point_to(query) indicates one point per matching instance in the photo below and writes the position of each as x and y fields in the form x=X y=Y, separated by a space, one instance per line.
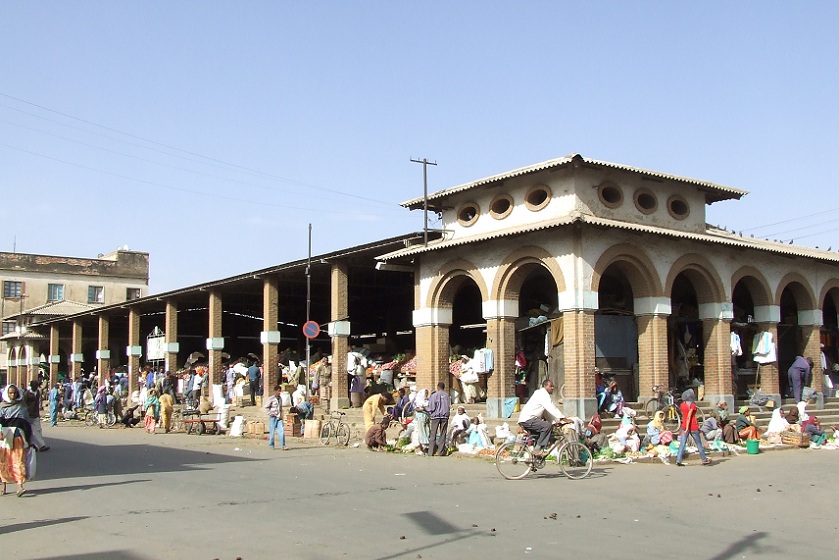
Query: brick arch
x=702 y=274
x=449 y=278
x=803 y=293
x=756 y=283
x=829 y=286
x=634 y=264
x=509 y=278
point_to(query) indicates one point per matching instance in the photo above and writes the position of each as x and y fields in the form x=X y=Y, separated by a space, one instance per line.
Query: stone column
x=769 y=380
x=133 y=361
x=653 y=365
x=215 y=342
x=77 y=349
x=432 y=356
x=171 y=328
x=103 y=364
x=55 y=353
x=580 y=399
x=270 y=336
x=812 y=349
x=339 y=309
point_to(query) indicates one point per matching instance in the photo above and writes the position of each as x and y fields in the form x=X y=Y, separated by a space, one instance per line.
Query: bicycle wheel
x=651 y=407
x=90 y=419
x=700 y=416
x=672 y=418
x=407 y=412
x=342 y=434
x=112 y=419
x=575 y=460
x=326 y=433
x=513 y=460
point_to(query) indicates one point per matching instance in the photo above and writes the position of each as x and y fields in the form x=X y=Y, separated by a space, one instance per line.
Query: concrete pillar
x=653 y=365
x=103 y=363
x=270 y=335
x=769 y=380
x=171 y=331
x=812 y=349
x=215 y=342
x=580 y=399
x=55 y=339
x=133 y=340
x=719 y=384
x=501 y=339
x=339 y=309
x=77 y=348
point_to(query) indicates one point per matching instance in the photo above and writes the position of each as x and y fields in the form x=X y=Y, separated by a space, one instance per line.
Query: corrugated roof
x=55 y=309
x=712 y=235
x=723 y=192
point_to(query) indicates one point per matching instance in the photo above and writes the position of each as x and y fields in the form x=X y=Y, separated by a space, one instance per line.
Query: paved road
x=122 y=494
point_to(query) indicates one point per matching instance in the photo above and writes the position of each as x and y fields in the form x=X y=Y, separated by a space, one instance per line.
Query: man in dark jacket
x=439 y=408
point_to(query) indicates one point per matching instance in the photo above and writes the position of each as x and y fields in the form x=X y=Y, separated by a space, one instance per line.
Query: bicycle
x=668 y=403
x=335 y=428
x=516 y=459
x=92 y=418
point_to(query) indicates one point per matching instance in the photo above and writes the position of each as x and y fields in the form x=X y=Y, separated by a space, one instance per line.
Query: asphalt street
x=126 y=495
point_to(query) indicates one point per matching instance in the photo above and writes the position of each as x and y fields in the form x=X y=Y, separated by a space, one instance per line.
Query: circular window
x=645 y=201
x=537 y=197
x=610 y=194
x=501 y=206
x=678 y=207
x=468 y=214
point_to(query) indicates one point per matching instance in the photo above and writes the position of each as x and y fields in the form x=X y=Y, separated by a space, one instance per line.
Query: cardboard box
x=256 y=428
x=311 y=429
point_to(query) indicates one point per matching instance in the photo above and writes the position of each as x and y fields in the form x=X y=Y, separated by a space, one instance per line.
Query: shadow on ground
x=107 y=555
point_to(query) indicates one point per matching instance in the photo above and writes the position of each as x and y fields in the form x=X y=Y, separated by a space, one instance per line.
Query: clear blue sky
x=210 y=134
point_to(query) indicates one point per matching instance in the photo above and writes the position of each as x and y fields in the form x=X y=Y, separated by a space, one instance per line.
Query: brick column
x=432 y=356
x=55 y=339
x=501 y=339
x=77 y=348
x=133 y=340
x=653 y=365
x=580 y=400
x=716 y=336
x=216 y=369
x=769 y=375
x=103 y=364
x=339 y=309
x=270 y=334
x=171 y=329
x=812 y=349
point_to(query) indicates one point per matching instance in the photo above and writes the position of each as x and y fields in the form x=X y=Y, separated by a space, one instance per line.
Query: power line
x=810 y=215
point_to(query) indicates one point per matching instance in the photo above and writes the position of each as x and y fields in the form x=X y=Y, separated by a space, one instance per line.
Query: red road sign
x=311 y=329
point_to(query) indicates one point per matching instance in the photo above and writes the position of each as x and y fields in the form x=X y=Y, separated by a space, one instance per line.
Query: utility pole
x=308 y=310
x=425 y=163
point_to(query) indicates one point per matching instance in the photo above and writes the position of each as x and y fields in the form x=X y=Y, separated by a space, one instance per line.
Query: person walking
x=274 y=408
x=32 y=398
x=689 y=426
x=54 y=398
x=152 y=411
x=167 y=407
x=439 y=408
x=253 y=381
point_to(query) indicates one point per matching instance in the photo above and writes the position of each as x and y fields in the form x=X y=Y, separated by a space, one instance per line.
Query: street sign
x=311 y=329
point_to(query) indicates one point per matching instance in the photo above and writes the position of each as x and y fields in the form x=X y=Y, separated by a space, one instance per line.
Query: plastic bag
x=31 y=463
x=502 y=432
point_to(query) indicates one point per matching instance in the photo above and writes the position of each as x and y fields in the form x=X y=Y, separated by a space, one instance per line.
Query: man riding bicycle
x=532 y=416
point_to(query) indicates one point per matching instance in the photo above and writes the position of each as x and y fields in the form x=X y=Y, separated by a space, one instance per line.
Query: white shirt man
x=532 y=416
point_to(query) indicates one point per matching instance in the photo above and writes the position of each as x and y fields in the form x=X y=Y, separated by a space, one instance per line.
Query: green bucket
x=753 y=446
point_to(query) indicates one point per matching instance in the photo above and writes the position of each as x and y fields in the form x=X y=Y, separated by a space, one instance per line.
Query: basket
x=796 y=439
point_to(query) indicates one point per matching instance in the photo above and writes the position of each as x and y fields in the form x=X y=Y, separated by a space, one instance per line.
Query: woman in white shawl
x=777 y=423
x=422 y=419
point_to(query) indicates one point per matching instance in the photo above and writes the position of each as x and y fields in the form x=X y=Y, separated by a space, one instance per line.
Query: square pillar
x=501 y=339
x=270 y=342
x=133 y=340
x=103 y=364
x=580 y=399
x=432 y=356
x=812 y=349
x=171 y=330
x=76 y=345
x=216 y=368
x=719 y=383
x=339 y=309
x=770 y=381
x=55 y=339
x=653 y=365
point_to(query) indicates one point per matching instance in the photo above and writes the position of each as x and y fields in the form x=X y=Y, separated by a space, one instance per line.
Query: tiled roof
x=54 y=309
x=716 y=192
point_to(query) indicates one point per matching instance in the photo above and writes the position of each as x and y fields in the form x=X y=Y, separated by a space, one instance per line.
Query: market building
x=549 y=270
x=41 y=287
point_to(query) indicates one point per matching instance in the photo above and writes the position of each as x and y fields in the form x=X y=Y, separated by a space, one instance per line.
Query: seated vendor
x=746 y=428
x=376 y=436
x=459 y=425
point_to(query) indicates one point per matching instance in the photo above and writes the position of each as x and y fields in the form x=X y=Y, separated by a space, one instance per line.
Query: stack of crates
x=291 y=425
